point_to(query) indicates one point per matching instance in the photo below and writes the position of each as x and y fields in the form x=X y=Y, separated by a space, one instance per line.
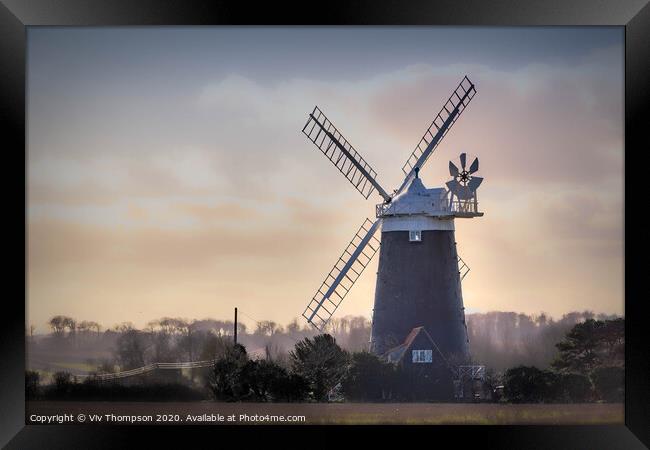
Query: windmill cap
x=417 y=199
x=416 y=187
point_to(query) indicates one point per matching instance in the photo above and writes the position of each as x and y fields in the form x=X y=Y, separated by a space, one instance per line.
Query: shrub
x=574 y=388
x=62 y=384
x=32 y=384
x=94 y=390
x=261 y=377
x=292 y=388
x=321 y=362
x=525 y=384
x=227 y=381
x=368 y=378
x=609 y=383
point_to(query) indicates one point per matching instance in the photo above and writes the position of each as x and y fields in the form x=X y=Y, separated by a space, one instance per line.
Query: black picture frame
x=16 y=15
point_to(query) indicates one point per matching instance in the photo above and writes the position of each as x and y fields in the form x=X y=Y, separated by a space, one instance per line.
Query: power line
x=258 y=322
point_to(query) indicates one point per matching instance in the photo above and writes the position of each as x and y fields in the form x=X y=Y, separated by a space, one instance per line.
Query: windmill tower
x=420 y=273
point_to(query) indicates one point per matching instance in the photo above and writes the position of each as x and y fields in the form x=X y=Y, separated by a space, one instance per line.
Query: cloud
x=539 y=124
x=224 y=212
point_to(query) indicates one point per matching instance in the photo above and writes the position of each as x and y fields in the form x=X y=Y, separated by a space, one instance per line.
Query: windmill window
x=415 y=236
x=422 y=356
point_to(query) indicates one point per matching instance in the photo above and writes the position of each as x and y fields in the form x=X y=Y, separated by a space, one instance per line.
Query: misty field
x=347 y=413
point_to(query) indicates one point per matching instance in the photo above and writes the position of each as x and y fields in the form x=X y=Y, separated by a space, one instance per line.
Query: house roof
x=396 y=354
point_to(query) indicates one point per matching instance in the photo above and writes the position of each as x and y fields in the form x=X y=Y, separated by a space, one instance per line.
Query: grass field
x=349 y=413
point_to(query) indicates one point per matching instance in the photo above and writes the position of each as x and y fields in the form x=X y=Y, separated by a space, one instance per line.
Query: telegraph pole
x=235 y=330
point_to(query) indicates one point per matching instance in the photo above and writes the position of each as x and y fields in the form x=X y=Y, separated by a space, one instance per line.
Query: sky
x=167 y=174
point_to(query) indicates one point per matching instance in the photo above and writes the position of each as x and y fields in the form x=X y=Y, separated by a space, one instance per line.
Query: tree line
x=499 y=340
x=588 y=366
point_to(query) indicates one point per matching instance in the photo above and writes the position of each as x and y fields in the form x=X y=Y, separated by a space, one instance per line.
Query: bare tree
x=267 y=328
x=123 y=327
x=131 y=349
x=60 y=323
x=293 y=327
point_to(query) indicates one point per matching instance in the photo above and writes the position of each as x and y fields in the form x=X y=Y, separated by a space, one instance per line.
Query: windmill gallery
x=418 y=318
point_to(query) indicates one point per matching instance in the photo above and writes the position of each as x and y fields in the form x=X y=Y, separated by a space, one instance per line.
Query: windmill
x=418 y=280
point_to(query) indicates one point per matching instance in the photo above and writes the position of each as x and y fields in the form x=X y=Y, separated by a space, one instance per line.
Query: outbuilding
x=424 y=372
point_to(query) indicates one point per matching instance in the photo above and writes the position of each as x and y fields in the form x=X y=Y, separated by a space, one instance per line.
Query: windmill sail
x=344 y=274
x=329 y=140
x=451 y=110
x=474 y=167
x=463 y=268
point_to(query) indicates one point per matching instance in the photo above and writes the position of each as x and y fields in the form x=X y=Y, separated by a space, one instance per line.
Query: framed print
x=371 y=217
